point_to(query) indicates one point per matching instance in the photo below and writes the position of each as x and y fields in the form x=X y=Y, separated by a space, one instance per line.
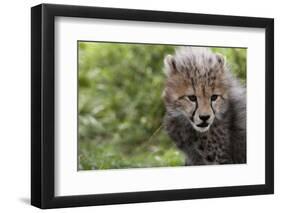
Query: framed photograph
x=140 y=106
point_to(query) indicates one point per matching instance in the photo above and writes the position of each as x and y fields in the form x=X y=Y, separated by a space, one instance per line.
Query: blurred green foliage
x=120 y=105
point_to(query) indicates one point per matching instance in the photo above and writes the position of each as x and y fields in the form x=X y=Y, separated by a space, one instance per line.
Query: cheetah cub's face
x=196 y=86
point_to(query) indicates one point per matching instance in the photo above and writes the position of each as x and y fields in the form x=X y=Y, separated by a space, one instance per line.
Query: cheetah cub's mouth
x=204 y=124
x=202 y=127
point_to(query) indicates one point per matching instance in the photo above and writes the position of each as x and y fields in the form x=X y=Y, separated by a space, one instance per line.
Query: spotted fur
x=205 y=107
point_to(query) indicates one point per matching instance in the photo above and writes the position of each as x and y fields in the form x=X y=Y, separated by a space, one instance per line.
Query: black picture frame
x=43 y=102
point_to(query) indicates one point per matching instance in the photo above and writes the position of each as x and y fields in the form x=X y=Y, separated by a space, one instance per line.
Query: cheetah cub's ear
x=169 y=65
x=221 y=60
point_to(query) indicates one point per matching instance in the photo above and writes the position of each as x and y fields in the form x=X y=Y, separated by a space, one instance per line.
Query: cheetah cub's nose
x=204 y=117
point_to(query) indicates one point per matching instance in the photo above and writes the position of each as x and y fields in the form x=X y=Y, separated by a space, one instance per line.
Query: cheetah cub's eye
x=192 y=98
x=214 y=97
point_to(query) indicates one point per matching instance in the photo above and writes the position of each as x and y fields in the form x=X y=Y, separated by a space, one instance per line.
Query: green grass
x=115 y=154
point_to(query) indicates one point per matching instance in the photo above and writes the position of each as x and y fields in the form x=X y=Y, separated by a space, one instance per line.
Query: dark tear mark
x=212 y=108
x=196 y=106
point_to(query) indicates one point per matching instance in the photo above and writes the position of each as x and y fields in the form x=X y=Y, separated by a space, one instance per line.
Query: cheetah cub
x=205 y=107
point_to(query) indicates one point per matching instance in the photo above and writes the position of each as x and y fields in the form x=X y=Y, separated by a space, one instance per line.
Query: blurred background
x=120 y=105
